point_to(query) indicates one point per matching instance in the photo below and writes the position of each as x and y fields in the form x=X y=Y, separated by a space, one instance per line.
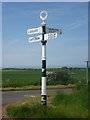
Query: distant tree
x=70 y=68
x=64 y=68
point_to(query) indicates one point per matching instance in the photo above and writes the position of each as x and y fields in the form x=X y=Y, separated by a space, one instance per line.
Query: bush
x=63 y=76
x=60 y=77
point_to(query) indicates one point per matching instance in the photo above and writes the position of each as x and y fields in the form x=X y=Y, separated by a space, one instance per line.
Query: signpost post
x=52 y=34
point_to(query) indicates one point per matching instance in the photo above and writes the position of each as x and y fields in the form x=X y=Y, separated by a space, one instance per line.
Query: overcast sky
x=70 y=49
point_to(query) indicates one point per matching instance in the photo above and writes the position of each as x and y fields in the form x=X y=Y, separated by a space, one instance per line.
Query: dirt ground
x=4 y=115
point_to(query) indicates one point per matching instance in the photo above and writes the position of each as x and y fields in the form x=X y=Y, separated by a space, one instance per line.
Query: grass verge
x=74 y=105
x=37 y=87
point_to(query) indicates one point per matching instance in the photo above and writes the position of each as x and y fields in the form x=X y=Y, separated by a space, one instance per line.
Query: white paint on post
x=43 y=78
x=43 y=52
x=43 y=85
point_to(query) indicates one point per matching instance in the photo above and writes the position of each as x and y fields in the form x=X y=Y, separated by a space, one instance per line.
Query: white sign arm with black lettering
x=35 y=39
x=50 y=36
x=34 y=30
x=52 y=30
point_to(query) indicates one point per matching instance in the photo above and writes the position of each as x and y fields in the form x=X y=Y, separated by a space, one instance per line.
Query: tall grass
x=34 y=111
x=73 y=105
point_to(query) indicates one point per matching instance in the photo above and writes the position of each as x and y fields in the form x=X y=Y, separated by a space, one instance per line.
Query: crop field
x=19 y=78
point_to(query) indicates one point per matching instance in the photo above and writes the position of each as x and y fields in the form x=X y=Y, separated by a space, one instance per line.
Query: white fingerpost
x=43 y=92
x=43 y=38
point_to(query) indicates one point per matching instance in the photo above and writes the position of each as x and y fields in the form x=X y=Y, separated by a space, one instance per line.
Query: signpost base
x=43 y=100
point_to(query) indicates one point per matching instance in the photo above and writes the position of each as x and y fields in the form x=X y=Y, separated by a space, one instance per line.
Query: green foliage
x=22 y=111
x=34 y=111
x=63 y=76
x=64 y=68
x=73 y=105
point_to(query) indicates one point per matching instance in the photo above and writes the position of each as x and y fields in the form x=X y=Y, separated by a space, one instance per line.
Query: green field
x=19 y=78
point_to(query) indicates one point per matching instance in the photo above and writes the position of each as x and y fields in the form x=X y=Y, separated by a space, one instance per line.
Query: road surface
x=16 y=96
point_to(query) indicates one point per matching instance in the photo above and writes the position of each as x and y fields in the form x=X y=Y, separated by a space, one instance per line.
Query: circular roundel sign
x=43 y=13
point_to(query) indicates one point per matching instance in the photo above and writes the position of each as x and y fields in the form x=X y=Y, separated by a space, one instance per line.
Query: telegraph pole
x=87 y=72
x=52 y=34
x=87 y=67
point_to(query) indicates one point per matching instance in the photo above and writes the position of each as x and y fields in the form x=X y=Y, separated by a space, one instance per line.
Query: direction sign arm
x=60 y=31
x=35 y=39
x=53 y=30
x=34 y=30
